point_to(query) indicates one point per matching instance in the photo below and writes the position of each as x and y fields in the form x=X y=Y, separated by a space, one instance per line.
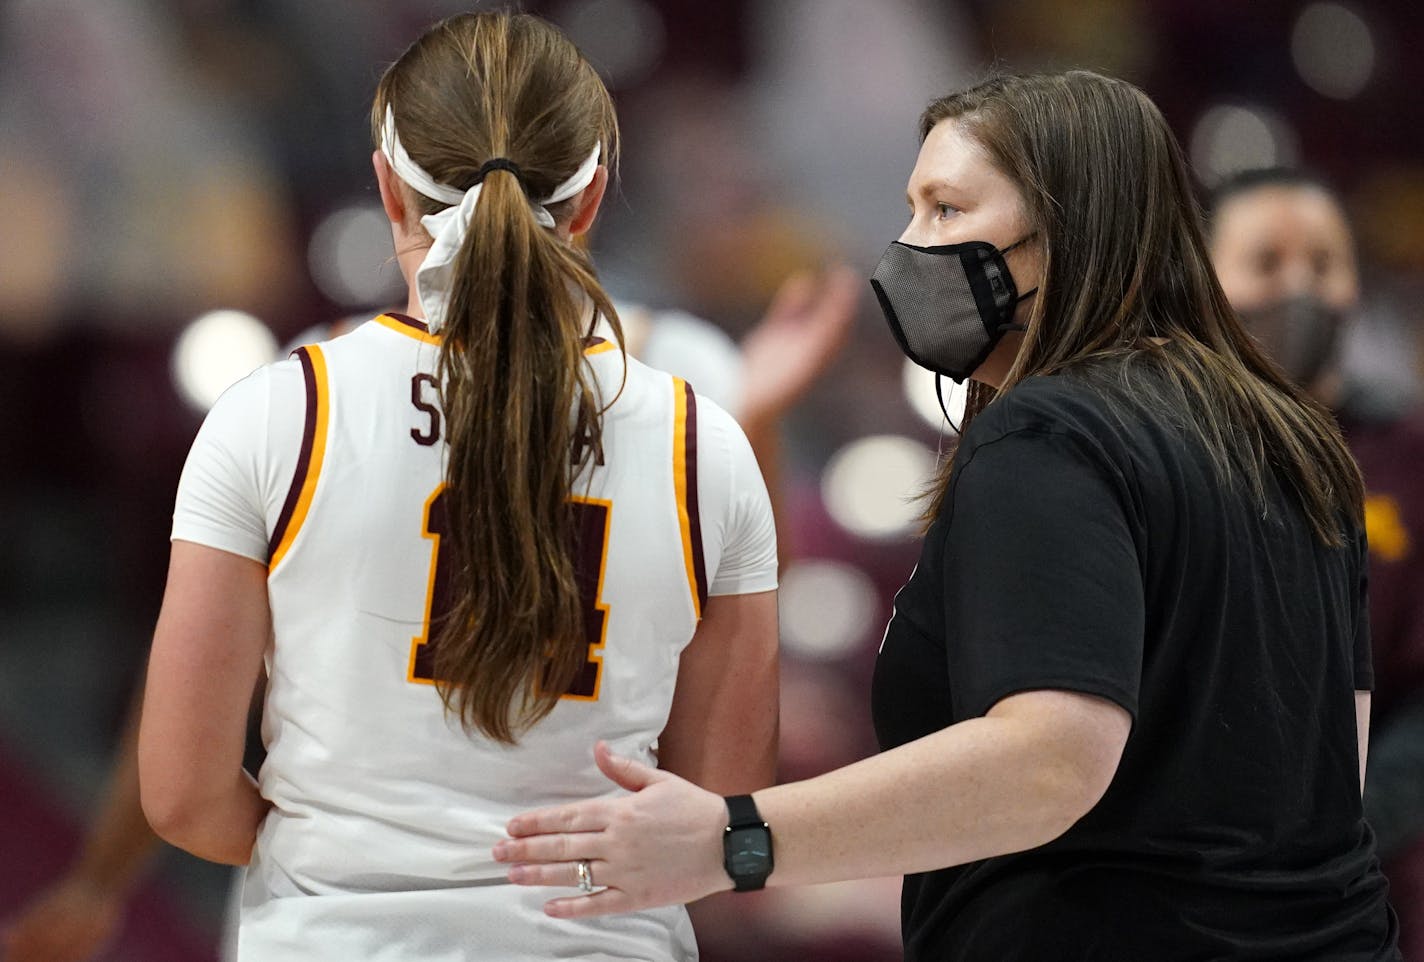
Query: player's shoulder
x=251 y=393
x=641 y=382
x=247 y=408
x=628 y=384
x=715 y=421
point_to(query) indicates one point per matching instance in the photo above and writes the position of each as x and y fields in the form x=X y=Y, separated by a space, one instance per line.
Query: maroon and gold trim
x=408 y=326
x=309 y=460
x=684 y=473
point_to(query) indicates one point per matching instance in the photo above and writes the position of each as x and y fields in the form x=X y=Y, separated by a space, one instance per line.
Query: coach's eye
x=946 y=211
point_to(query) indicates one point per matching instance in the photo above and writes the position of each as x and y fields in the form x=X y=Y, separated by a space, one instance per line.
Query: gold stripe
x=599 y=348
x=318 y=452
x=385 y=320
x=679 y=478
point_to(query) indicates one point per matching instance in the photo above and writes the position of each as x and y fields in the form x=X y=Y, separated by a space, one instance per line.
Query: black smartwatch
x=746 y=845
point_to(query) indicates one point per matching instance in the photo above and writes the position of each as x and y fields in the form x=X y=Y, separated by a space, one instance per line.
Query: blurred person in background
x=1285 y=255
x=391 y=758
x=1096 y=739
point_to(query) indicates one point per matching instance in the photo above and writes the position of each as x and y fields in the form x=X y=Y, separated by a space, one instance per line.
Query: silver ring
x=585 y=876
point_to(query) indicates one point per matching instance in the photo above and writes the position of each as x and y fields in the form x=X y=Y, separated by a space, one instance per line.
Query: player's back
x=385 y=808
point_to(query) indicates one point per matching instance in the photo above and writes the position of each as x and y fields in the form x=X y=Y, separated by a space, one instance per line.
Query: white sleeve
x=733 y=499
x=241 y=463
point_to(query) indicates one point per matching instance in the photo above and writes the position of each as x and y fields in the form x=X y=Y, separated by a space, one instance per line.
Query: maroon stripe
x=408 y=321
x=299 y=477
x=593 y=340
x=694 y=516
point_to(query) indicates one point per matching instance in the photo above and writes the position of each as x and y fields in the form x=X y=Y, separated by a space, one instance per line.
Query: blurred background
x=185 y=185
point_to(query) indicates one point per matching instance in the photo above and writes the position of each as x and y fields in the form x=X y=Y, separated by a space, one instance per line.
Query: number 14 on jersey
x=592 y=521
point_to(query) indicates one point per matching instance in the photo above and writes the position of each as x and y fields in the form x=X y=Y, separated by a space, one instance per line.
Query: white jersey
x=328 y=468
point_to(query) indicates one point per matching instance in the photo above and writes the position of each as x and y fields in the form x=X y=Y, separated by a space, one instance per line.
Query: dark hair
x=473 y=88
x=1127 y=279
x=1244 y=182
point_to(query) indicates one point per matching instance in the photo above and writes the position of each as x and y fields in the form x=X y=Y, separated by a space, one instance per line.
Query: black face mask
x=947 y=306
x=1301 y=334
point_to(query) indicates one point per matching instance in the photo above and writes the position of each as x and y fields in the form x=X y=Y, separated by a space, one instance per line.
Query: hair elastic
x=435 y=277
x=500 y=163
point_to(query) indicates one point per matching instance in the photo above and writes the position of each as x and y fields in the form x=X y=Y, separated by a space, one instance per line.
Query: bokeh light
x=215 y=351
x=623 y=39
x=1333 y=50
x=1234 y=137
x=826 y=608
x=870 y=485
x=351 y=257
x=919 y=385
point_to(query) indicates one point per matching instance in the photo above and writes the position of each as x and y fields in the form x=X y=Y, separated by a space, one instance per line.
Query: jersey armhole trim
x=309 y=460
x=684 y=473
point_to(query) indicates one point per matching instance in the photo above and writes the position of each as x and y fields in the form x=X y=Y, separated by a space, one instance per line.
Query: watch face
x=748 y=851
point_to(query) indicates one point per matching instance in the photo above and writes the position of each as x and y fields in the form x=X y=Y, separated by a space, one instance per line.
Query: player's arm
x=721 y=732
x=207 y=655
x=722 y=728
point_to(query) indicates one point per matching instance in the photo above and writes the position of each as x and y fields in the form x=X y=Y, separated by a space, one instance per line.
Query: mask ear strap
x=1017 y=327
x=1020 y=242
x=944 y=410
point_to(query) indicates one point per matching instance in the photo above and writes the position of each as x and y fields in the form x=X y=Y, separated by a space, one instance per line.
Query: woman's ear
x=391 y=198
x=587 y=203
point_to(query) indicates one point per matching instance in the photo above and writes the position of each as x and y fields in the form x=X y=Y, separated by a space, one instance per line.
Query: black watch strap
x=746 y=845
x=742 y=812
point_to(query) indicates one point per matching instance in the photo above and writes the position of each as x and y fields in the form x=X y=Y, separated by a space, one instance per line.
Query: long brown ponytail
x=515 y=391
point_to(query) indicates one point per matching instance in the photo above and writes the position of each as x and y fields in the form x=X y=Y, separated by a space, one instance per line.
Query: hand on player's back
x=661 y=845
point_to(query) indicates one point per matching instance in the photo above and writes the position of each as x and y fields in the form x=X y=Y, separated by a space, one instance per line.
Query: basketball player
x=802 y=331
x=474 y=538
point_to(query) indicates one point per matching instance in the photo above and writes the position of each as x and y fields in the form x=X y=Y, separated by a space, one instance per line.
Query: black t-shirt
x=1089 y=546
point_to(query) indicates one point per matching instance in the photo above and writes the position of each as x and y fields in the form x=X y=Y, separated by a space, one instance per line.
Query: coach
x=1123 y=698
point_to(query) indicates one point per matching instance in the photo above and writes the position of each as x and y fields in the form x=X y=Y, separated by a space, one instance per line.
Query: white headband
x=435 y=276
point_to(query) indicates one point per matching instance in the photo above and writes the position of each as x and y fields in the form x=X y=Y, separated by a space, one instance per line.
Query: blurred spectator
x=1286 y=258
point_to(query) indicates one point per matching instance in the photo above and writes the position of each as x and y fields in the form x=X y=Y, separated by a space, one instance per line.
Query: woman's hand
x=662 y=845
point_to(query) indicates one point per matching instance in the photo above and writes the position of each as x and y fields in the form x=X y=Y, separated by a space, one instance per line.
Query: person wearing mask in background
x=489 y=536
x=1285 y=256
x=1098 y=740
